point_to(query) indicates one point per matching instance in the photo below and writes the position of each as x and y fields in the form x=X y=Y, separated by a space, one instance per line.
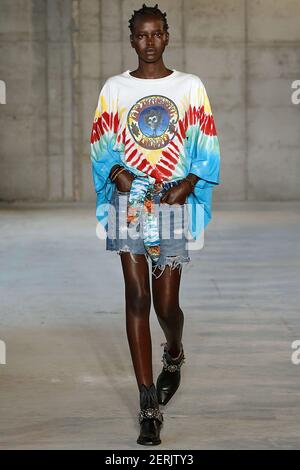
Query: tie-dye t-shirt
x=160 y=128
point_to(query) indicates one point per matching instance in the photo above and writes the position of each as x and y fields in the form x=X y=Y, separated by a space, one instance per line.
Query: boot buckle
x=150 y=413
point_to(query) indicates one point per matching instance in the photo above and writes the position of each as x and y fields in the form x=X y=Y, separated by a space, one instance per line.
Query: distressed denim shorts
x=171 y=217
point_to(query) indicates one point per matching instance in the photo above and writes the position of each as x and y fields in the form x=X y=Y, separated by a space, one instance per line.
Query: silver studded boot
x=169 y=379
x=150 y=416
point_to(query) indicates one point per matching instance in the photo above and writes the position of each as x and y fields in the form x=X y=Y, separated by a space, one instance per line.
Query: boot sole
x=148 y=443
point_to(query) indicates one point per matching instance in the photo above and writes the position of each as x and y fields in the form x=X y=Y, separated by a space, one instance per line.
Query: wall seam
x=76 y=92
x=47 y=102
x=246 y=71
x=183 y=37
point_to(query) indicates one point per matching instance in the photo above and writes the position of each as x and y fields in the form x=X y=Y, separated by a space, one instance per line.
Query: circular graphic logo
x=152 y=121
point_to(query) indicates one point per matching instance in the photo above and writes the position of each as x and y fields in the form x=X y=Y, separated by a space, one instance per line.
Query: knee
x=138 y=303
x=167 y=312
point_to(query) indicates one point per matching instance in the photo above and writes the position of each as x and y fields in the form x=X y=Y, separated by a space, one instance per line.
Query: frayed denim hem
x=173 y=261
x=126 y=249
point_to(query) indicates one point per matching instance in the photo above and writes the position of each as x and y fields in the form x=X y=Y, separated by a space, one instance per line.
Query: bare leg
x=165 y=290
x=138 y=305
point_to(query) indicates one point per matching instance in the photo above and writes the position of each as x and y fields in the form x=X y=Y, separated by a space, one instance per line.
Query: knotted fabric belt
x=141 y=206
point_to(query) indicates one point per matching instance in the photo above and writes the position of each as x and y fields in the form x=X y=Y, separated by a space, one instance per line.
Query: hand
x=177 y=194
x=124 y=180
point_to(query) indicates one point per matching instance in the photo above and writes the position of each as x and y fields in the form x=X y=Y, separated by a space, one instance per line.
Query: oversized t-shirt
x=160 y=128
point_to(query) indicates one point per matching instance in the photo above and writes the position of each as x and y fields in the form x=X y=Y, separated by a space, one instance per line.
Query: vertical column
x=76 y=95
x=23 y=118
x=88 y=24
x=67 y=89
x=59 y=67
x=273 y=124
x=215 y=51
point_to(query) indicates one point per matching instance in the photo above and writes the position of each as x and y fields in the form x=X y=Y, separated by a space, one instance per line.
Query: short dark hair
x=155 y=11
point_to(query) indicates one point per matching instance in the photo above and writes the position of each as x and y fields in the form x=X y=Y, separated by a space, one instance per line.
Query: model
x=155 y=159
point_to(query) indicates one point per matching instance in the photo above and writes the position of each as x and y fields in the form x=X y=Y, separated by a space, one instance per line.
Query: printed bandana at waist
x=141 y=203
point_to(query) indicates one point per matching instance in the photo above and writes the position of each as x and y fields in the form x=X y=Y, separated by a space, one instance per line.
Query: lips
x=150 y=51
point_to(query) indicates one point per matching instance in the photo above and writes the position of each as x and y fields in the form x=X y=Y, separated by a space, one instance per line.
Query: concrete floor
x=69 y=382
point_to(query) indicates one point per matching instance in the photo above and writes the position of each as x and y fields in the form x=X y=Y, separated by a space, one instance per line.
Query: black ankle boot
x=169 y=379
x=150 y=417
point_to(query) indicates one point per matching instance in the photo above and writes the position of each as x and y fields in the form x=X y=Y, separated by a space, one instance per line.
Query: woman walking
x=155 y=159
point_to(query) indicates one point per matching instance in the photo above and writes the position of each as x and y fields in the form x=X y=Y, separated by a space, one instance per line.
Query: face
x=149 y=38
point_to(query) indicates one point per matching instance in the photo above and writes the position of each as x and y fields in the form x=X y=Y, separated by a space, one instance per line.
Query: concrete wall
x=55 y=55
